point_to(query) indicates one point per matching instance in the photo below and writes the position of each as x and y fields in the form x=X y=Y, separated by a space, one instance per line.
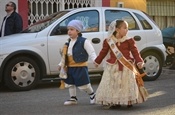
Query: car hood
x=16 y=38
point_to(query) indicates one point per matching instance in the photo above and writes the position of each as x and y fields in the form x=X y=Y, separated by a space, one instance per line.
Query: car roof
x=115 y=8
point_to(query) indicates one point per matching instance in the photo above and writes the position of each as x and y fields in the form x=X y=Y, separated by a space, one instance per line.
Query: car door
x=92 y=29
x=135 y=29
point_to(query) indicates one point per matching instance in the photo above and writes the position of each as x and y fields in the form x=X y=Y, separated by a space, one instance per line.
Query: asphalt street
x=48 y=99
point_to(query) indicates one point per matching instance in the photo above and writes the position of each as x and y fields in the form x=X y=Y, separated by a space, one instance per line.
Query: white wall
x=2 y=8
x=98 y=3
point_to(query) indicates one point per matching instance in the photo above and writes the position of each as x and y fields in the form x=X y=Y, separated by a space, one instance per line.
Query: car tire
x=21 y=74
x=153 y=66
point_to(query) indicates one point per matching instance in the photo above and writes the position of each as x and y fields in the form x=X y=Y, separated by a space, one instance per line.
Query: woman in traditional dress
x=118 y=85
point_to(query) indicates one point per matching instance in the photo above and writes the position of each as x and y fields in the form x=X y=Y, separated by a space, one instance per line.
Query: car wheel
x=153 y=66
x=21 y=74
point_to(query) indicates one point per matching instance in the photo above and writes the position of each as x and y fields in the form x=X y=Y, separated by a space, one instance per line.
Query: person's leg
x=73 y=98
x=89 y=90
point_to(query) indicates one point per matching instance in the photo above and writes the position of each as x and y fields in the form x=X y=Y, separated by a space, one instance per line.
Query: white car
x=32 y=55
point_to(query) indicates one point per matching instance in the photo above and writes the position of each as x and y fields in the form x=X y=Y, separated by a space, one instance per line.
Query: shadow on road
x=47 y=85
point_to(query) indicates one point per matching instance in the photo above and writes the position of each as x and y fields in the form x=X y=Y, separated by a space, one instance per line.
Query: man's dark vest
x=79 y=53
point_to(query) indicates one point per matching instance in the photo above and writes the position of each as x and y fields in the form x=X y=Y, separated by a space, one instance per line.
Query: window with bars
x=39 y=9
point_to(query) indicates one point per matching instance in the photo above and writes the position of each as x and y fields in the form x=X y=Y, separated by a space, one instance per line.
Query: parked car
x=33 y=55
x=169 y=42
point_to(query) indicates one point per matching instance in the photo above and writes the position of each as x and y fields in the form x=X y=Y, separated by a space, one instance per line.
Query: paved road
x=48 y=99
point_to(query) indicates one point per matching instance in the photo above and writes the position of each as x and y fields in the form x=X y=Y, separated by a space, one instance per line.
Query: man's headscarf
x=77 y=24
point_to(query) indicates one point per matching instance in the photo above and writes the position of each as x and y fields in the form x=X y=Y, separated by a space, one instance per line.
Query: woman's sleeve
x=135 y=51
x=104 y=51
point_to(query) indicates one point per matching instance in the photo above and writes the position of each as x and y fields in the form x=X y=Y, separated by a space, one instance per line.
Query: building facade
x=162 y=11
x=34 y=10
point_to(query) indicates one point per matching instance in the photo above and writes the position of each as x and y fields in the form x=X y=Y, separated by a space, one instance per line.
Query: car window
x=111 y=15
x=44 y=23
x=90 y=21
x=144 y=22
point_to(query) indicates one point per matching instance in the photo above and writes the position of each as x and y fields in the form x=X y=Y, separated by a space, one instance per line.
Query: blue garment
x=79 y=53
x=77 y=76
x=14 y=24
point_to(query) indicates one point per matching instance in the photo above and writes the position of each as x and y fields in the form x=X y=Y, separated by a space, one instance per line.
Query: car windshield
x=42 y=24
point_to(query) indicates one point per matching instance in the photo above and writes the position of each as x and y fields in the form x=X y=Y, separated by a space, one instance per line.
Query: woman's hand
x=95 y=64
x=140 y=65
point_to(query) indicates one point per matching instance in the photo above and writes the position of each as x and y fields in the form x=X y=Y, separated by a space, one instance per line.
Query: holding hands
x=95 y=64
x=140 y=65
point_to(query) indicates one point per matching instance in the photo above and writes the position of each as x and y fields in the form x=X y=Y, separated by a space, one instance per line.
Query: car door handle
x=96 y=40
x=137 y=38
